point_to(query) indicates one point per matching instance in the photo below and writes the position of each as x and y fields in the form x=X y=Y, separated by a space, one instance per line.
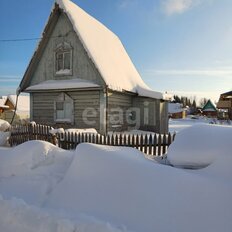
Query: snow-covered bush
x=4 y=136
x=4 y=125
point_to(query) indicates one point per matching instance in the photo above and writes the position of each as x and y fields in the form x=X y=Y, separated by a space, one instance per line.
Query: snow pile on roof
x=23 y=104
x=110 y=189
x=175 y=108
x=63 y=84
x=3 y=101
x=200 y=145
x=107 y=52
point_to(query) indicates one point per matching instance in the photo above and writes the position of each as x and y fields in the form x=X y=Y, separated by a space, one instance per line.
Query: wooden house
x=209 y=109
x=3 y=106
x=81 y=76
x=23 y=108
x=176 y=110
x=225 y=105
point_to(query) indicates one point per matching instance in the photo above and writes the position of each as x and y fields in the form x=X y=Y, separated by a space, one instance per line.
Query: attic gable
x=107 y=52
x=209 y=106
x=104 y=49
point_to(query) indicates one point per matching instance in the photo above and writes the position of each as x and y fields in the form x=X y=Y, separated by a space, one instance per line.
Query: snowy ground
x=176 y=125
x=106 y=189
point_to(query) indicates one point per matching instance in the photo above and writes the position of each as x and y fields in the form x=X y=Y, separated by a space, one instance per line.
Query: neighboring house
x=176 y=110
x=209 y=109
x=3 y=107
x=23 y=108
x=225 y=105
x=81 y=76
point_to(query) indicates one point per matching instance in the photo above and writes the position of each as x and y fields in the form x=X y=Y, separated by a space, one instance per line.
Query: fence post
x=145 y=144
x=164 y=144
x=150 y=144
x=159 y=144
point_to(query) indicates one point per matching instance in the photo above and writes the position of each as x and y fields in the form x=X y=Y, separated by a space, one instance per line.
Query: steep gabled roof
x=23 y=102
x=106 y=51
x=227 y=93
x=209 y=106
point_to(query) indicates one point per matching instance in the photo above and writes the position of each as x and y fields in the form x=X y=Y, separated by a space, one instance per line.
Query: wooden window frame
x=62 y=49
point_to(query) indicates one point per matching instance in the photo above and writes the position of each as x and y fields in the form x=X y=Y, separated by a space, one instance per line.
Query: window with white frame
x=63 y=59
x=63 y=108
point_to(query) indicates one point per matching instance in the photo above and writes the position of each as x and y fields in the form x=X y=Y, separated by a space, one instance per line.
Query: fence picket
x=159 y=144
x=153 y=144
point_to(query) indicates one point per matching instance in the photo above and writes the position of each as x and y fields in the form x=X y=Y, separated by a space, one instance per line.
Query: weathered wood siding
x=82 y=65
x=118 y=106
x=146 y=113
x=153 y=114
x=86 y=109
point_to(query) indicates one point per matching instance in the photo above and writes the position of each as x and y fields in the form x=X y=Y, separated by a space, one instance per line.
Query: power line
x=30 y=39
x=18 y=40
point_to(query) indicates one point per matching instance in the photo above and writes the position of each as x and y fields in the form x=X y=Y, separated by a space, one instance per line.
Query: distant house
x=176 y=110
x=209 y=109
x=81 y=76
x=3 y=107
x=225 y=105
x=23 y=108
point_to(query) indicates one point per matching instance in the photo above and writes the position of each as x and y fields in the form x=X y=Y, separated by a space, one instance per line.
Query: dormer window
x=63 y=59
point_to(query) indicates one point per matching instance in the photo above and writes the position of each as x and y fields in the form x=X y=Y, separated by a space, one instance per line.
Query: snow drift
x=200 y=145
x=110 y=189
x=120 y=186
x=4 y=134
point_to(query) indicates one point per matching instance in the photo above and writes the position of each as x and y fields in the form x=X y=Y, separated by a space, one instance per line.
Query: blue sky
x=179 y=46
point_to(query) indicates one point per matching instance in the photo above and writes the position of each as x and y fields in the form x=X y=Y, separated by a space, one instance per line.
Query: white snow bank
x=31 y=170
x=119 y=186
x=110 y=189
x=26 y=157
x=200 y=145
x=16 y=215
x=4 y=125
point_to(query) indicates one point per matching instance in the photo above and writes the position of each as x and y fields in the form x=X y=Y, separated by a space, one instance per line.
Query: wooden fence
x=23 y=133
x=151 y=144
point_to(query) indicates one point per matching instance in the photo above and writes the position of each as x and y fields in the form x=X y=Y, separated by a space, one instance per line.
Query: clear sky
x=179 y=46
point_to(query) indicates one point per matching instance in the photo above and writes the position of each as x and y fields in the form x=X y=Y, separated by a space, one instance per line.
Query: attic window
x=63 y=59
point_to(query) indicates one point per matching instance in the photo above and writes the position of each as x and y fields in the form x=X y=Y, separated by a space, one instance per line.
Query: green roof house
x=209 y=109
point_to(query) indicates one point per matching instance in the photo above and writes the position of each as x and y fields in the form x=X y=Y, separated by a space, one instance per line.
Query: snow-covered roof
x=63 y=84
x=23 y=102
x=2 y=102
x=175 y=108
x=107 y=52
x=209 y=106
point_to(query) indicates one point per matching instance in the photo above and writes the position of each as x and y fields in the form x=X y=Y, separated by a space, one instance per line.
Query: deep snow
x=100 y=188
